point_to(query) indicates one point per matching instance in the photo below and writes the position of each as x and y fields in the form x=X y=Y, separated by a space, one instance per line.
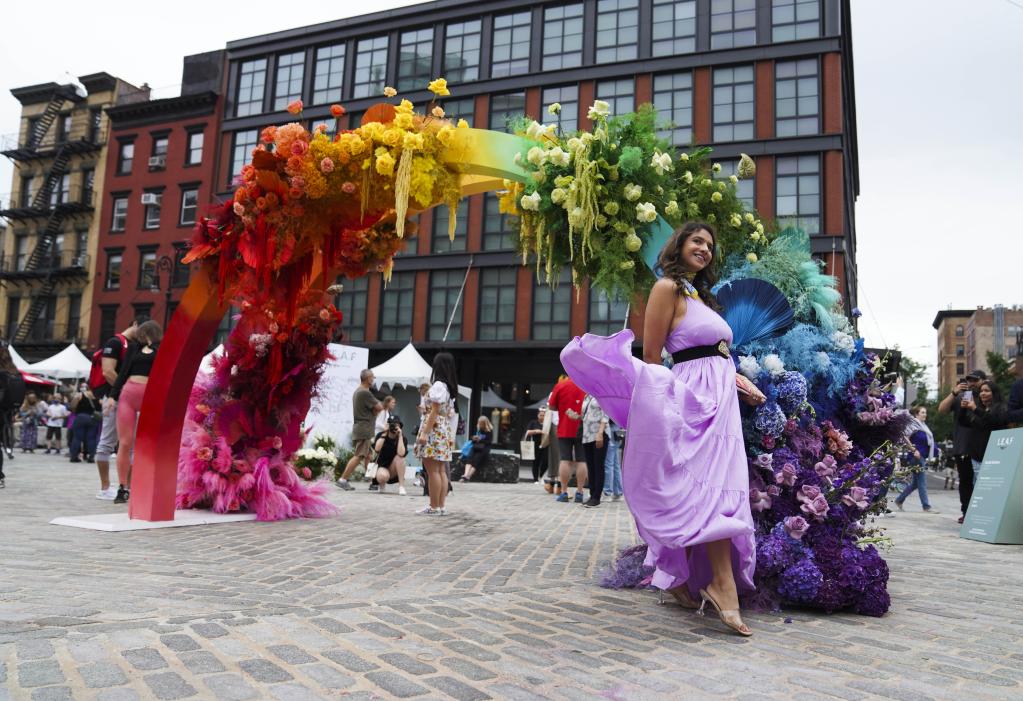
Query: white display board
x=331 y=410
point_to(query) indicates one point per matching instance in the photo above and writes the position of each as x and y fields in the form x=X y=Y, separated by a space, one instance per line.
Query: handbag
x=371 y=471
x=466 y=448
x=527 y=450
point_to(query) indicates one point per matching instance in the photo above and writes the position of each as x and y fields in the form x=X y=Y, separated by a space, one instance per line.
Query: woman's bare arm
x=660 y=313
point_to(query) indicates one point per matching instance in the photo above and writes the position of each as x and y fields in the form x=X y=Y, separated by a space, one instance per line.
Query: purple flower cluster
x=769 y=420
x=791 y=391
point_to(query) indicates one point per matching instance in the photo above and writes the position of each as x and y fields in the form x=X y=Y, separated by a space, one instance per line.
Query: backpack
x=96 y=378
x=12 y=391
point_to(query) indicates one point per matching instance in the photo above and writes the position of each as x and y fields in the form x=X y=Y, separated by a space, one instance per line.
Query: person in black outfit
x=391 y=450
x=85 y=431
x=12 y=394
x=534 y=432
x=961 y=435
x=1014 y=407
x=481 y=443
x=984 y=413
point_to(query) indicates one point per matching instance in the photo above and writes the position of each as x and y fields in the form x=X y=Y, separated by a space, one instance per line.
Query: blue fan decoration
x=754 y=309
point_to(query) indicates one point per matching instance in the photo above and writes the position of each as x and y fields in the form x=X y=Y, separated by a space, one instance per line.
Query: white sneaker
x=107 y=494
x=402 y=492
x=428 y=510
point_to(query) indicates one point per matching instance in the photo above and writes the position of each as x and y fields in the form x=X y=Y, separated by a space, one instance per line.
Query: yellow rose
x=389 y=91
x=439 y=87
x=413 y=142
x=391 y=137
x=385 y=162
x=462 y=124
x=403 y=121
x=751 y=257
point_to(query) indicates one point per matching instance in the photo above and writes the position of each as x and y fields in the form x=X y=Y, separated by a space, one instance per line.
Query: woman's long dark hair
x=670 y=262
x=444 y=371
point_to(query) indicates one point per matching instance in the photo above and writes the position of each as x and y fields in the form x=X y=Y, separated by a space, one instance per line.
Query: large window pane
x=795 y=19
x=241 y=151
x=462 y=51
x=329 y=75
x=798 y=188
x=568 y=97
x=505 y=107
x=251 y=85
x=290 y=71
x=733 y=103
x=497 y=304
x=352 y=305
x=562 y=37
x=439 y=240
x=415 y=59
x=463 y=108
x=444 y=288
x=617 y=30
x=619 y=93
x=396 y=307
x=674 y=27
x=733 y=23
x=673 y=98
x=796 y=101
x=744 y=189
x=498 y=231
x=370 y=67
x=607 y=315
x=510 y=55
x=552 y=309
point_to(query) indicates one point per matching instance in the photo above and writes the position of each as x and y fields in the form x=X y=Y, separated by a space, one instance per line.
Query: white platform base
x=121 y=522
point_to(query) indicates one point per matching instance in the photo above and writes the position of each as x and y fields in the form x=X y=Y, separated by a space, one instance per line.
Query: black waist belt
x=718 y=349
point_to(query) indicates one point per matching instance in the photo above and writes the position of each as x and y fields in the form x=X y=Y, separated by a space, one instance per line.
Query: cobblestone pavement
x=496 y=601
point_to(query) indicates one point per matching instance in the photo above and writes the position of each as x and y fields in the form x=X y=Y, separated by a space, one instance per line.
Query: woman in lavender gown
x=684 y=469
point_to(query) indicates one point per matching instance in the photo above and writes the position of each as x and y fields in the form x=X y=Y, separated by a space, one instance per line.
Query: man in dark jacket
x=1015 y=403
x=961 y=435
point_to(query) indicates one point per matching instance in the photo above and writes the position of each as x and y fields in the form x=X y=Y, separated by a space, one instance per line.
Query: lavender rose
x=796 y=526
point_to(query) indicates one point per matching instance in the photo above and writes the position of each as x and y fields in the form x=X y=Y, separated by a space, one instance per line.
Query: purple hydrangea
x=776 y=553
x=769 y=420
x=800 y=582
x=873 y=601
x=791 y=389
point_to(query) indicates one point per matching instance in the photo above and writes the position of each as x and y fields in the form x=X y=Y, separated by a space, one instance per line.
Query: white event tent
x=68 y=364
x=19 y=362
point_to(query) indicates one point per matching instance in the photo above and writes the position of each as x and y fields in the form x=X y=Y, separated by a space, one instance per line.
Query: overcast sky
x=939 y=107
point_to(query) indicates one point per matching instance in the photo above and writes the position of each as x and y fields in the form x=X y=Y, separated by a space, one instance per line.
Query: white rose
x=672 y=208
x=574 y=143
x=575 y=217
x=661 y=162
x=688 y=178
x=633 y=192
x=748 y=217
x=733 y=179
x=633 y=242
x=646 y=212
x=536 y=156
x=716 y=167
x=558 y=195
x=773 y=364
x=534 y=131
x=749 y=366
x=600 y=109
x=684 y=157
x=530 y=203
x=559 y=157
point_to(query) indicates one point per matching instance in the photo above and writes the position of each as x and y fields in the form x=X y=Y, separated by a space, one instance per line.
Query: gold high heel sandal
x=681 y=595
x=730 y=617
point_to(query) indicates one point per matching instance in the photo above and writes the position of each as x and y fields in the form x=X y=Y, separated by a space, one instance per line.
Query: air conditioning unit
x=153 y=198
x=158 y=161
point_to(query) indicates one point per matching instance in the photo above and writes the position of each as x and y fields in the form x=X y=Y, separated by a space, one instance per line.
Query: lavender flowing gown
x=684 y=468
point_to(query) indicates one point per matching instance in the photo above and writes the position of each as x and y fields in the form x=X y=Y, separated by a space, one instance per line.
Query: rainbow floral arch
x=311 y=206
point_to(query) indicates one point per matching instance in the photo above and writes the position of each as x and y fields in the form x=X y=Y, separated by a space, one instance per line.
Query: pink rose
x=348 y=187
x=327 y=165
x=764 y=460
x=857 y=497
x=295 y=107
x=807 y=493
x=787 y=476
x=796 y=526
x=773 y=490
x=818 y=507
x=307 y=473
x=759 y=500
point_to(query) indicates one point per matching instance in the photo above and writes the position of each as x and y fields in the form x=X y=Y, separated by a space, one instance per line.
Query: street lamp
x=164 y=264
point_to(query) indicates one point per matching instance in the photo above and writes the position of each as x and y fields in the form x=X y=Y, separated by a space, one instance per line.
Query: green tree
x=914 y=374
x=1001 y=372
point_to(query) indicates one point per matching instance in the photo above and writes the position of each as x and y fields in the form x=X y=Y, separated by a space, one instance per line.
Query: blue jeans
x=613 y=469
x=918 y=481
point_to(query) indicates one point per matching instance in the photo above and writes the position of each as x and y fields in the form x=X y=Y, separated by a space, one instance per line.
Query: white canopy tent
x=409 y=369
x=19 y=362
x=70 y=363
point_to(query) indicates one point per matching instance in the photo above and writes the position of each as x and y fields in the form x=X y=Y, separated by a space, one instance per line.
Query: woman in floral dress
x=436 y=439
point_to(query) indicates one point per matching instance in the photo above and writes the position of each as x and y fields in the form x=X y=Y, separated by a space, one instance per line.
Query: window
x=959 y=330
x=74 y=316
x=799 y=192
x=733 y=23
x=552 y=309
x=160 y=144
x=460 y=109
x=147 y=269
x=142 y=310
x=251 y=85
x=796 y=98
x=673 y=98
x=744 y=189
x=607 y=315
x=510 y=55
x=415 y=59
x=498 y=233
x=113 y=281
x=370 y=67
x=189 y=206
x=120 y=216
x=125 y=157
x=568 y=97
x=107 y=321
x=617 y=30
x=290 y=71
x=26 y=191
x=506 y=107
x=20 y=251
x=445 y=305
x=61 y=190
x=226 y=326
x=182 y=272
x=674 y=30
x=95 y=120
x=396 y=307
x=244 y=143
x=620 y=94
x=195 y=142
x=462 y=51
x=152 y=212
x=352 y=305
x=63 y=127
x=497 y=304
x=960 y=350
x=439 y=240
x=88 y=185
x=960 y=369
x=562 y=37
x=81 y=246
x=13 y=314
x=795 y=19
x=329 y=74
x=733 y=103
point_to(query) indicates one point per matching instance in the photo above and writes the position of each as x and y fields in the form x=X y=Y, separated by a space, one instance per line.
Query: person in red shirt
x=567 y=400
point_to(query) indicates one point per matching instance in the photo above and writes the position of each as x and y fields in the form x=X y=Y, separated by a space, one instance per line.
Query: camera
x=393 y=423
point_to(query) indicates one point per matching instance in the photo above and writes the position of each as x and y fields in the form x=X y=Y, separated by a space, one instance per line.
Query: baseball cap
x=978 y=374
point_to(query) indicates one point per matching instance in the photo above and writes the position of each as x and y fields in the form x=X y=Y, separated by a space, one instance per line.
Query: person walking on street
x=129 y=390
x=922 y=440
x=85 y=430
x=613 y=462
x=112 y=356
x=365 y=407
x=961 y=433
x=481 y=442
x=567 y=400
x=594 y=437
x=436 y=438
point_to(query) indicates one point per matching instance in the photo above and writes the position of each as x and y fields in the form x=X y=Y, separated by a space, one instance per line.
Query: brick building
x=966 y=336
x=48 y=259
x=159 y=180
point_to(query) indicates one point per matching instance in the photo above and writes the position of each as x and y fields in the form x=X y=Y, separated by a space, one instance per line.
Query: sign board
x=331 y=411
x=995 y=514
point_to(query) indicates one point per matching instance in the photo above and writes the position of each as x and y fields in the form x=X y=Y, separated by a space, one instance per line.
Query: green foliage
x=1001 y=373
x=914 y=374
x=343 y=456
